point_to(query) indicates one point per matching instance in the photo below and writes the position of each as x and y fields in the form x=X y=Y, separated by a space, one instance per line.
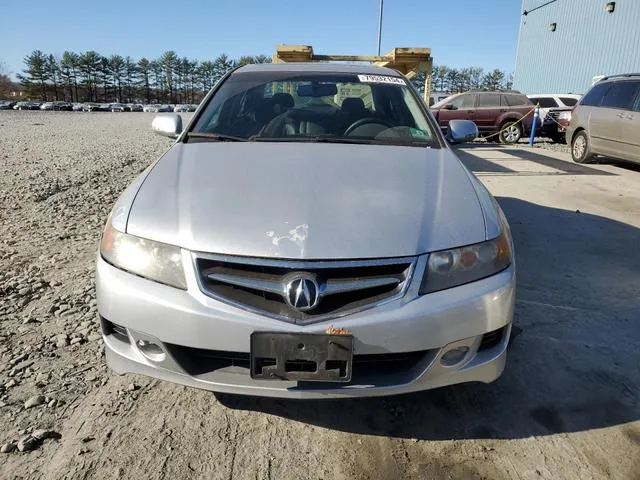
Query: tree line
x=92 y=77
x=455 y=80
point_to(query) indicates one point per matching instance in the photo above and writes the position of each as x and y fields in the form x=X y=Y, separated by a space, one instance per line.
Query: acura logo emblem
x=301 y=292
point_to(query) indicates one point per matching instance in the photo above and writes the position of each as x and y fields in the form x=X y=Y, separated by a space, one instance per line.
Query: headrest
x=352 y=105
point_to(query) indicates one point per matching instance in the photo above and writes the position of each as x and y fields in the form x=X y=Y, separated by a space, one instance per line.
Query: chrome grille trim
x=353 y=284
x=248 y=282
x=258 y=281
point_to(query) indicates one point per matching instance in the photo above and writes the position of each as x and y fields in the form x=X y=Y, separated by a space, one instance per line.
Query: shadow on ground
x=487 y=163
x=573 y=367
x=631 y=166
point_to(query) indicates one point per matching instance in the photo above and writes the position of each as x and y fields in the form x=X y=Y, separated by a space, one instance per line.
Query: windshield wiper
x=359 y=141
x=215 y=137
x=315 y=139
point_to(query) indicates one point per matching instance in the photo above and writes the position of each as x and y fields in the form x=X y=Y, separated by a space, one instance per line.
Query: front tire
x=580 y=152
x=511 y=132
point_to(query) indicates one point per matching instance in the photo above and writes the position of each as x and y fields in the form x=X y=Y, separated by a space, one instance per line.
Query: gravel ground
x=568 y=405
x=546 y=144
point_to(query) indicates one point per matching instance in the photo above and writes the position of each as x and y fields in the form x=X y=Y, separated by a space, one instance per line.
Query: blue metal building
x=564 y=44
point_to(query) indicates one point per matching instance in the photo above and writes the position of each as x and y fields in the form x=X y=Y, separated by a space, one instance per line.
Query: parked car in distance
x=117 y=107
x=552 y=106
x=606 y=121
x=134 y=107
x=438 y=97
x=27 y=105
x=303 y=262
x=158 y=108
x=7 y=105
x=77 y=107
x=501 y=116
x=96 y=107
x=57 y=106
x=181 y=108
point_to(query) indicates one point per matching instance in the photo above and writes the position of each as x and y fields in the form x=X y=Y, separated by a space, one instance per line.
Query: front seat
x=353 y=109
x=282 y=102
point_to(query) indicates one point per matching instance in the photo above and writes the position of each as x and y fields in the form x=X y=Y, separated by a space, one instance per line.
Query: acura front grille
x=302 y=291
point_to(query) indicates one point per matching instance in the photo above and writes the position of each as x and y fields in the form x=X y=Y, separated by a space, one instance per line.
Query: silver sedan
x=310 y=234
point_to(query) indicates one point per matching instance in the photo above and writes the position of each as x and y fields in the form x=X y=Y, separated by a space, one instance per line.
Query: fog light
x=454 y=356
x=151 y=350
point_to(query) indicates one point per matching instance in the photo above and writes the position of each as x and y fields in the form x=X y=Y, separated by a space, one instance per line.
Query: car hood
x=308 y=200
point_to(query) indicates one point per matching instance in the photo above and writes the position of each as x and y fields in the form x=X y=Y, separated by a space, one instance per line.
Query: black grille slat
x=198 y=361
x=491 y=339
x=230 y=280
x=118 y=331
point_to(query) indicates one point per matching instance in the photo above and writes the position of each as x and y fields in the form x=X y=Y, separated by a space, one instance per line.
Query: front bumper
x=179 y=321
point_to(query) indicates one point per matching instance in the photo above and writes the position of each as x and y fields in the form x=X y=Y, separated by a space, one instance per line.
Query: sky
x=460 y=33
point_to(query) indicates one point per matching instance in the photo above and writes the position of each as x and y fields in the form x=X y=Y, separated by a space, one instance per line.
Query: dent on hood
x=295 y=239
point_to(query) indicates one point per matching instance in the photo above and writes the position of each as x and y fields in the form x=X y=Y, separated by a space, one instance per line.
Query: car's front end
x=555 y=123
x=305 y=266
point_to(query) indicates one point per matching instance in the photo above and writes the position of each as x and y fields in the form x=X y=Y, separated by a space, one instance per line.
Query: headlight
x=153 y=260
x=450 y=268
x=564 y=116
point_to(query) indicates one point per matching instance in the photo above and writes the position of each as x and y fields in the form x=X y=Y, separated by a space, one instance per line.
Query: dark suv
x=500 y=116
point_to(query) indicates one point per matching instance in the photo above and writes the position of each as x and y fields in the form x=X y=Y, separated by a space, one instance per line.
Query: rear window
x=488 y=100
x=516 y=100
x=545 y=102
x=620 y=95
x=568 y=101
x=594 y=96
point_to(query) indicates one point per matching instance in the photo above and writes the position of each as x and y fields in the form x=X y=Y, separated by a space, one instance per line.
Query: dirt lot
x=567 y=406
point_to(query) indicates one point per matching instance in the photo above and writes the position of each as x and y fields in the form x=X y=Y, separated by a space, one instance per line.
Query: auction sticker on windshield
x=381 y=79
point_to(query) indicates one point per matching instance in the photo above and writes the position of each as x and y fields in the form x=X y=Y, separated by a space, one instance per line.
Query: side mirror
x=460 y=131
x=168 y=125
x=448 y=106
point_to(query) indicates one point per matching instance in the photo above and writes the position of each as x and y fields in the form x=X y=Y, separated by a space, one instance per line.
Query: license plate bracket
x=301 y=356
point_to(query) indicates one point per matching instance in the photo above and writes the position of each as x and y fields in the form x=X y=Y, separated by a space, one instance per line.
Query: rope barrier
x=509 y=122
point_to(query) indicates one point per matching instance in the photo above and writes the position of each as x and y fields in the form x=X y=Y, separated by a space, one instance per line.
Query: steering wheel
x=365 y=121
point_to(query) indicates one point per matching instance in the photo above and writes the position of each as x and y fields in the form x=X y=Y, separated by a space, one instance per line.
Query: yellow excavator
x=409 y=61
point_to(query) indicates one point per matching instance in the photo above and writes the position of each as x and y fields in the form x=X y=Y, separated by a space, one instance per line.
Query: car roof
x=577 y=95
x=622 y=76
x=366 y=69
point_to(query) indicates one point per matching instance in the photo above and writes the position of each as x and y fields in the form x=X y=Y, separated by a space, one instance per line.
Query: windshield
x=312 y=106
